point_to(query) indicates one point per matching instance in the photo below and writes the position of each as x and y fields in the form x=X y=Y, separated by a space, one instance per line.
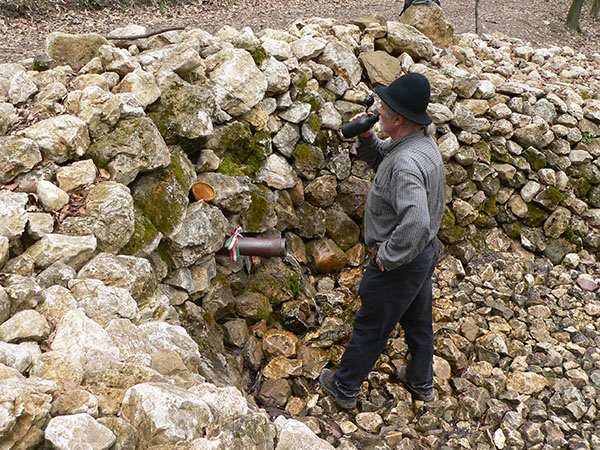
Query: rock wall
x=118 y=317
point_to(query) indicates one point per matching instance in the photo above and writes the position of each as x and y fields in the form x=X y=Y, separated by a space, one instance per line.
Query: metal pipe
x=259 y=247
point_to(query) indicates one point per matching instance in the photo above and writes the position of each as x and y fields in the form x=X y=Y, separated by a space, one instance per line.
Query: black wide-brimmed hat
x=408 y=96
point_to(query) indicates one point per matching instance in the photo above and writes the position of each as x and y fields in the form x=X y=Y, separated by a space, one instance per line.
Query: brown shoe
x=425 y=395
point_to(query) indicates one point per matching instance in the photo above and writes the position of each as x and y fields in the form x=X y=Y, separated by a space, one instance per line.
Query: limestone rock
x=341 y=228
x=60 y=138
x=51 y=196
x=99 y=109
x=141 y=84
x=39 y=224
x=117 y=60
x=161 y=200
x=76 y=175
x=25 y=411
x=405 y=38
x=27 y=325
x=382 y=68
x=165 y=414
x=342 y=60
x=429 y=20
x=21 y=88
x=4 y=252
x=203 y=232
x=307 y=48
x=185 y=110
x=7 y=116
x=134 y=146
x=239 y=84
x=231 y=193
x=110 y=217
x=293 y=434
x=526 y=383
x=78 y=431
x=278 y=173
x=15 y=356
x=260 y=215
x=75 y=402
x=286 y=138
x=224 y=402
x=276 y=48
x=127 y=272
x=103 y=303
x=56 y=302
x=71 y=250
x=325 y=256
x=277 y=75
x=12 y=214
x=73 y=50
x=163 y=336
x=296 y=113
x=86 y=340
x=130 y=340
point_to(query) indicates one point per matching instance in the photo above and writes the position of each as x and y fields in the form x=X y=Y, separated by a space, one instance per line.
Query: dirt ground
x=542 y=22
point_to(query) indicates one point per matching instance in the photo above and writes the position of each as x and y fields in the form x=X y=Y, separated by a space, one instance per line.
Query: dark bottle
x=360 y=125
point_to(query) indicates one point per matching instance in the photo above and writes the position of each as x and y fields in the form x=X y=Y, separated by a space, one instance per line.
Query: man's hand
x=367 y=133
x=378 y=261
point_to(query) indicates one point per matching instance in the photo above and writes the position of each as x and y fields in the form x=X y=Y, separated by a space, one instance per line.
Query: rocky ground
x=94 y=338
x=24 y=30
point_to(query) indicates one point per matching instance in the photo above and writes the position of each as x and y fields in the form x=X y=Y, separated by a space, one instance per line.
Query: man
x=402 y=217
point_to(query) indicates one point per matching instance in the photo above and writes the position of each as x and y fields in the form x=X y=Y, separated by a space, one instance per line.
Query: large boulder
x=99 y=109
x=203 y=231
x=405 y=38
x=239 y=84
x=78 y=431
x=71 y=250
x=343 y=61
x=165 y=414
x=73 y=50
x=60 y=138
x=25 y=411
x=382 y=68
x=110 y=217
x=184 y=110
x=430 y=20
x=128 y=272
x=134 y=146
x=84 y=339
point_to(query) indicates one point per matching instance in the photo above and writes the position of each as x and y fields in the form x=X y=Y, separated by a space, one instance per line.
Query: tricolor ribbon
x=234 y=251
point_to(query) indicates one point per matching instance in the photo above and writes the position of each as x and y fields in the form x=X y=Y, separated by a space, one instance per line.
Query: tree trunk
x=477 y=16
x=595 y=9
x=573 y=16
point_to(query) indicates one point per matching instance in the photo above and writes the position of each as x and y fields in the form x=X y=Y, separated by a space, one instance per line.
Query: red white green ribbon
x=232 y=244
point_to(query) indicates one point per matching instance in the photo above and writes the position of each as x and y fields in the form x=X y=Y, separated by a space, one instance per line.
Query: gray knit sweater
x=407 y=197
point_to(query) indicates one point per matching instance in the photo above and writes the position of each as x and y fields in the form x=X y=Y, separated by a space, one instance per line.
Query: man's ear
x=398 y=120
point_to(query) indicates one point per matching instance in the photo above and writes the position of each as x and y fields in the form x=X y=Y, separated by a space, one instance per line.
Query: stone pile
x=120 y=325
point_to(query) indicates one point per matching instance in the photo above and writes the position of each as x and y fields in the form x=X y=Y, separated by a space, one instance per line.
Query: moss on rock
x=249 y=152
x=144 y=231
x=535 y=215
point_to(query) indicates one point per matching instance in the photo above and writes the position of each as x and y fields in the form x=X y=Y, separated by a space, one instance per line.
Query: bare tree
x=596 y=9
x=477 y=16
x=574 y=13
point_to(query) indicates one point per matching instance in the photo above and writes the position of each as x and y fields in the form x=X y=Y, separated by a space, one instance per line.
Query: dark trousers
x=404 y=296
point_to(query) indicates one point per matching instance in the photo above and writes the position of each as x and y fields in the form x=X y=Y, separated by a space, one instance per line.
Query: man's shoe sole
x=326 y=382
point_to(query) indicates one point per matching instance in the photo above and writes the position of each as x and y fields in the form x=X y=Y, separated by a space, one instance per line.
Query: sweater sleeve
x=370 y=150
